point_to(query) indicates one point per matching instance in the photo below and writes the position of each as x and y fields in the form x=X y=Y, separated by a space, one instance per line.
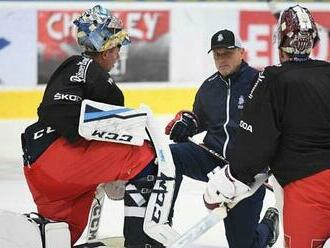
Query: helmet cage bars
x=296 y=31
x=99 y=30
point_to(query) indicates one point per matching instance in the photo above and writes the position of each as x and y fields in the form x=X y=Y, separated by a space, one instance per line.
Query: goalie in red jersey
x=286 y=125
x=64 y=163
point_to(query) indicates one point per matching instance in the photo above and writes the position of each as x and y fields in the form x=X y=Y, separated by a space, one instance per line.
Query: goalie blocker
x=66 y=192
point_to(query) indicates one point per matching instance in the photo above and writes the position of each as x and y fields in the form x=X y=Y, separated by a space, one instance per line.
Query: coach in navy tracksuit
x=217 y=108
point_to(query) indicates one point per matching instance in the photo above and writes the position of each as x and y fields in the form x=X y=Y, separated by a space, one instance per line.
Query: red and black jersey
x=75 y=79
x=286 y=123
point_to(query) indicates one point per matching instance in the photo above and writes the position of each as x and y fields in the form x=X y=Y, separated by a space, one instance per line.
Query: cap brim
x=223 y=46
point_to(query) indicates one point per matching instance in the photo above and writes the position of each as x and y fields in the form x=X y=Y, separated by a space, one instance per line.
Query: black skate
x=146 y=246
x=271 y=219
x=92 y=245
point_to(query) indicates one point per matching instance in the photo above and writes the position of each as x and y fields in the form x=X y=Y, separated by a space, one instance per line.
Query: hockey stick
x=216 y=215
x=95 y=214
x=225 y=161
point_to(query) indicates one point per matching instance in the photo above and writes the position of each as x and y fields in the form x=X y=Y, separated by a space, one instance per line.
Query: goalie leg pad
x=156 y=223
x=15 y=225
x=137 y=194
x=33 y=231
x=95 y=214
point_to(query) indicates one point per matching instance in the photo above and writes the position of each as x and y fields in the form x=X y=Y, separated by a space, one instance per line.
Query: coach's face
x=227 y=60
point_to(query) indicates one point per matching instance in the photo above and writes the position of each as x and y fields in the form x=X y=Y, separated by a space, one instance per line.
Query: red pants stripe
x=306 y=211
x=64 y=178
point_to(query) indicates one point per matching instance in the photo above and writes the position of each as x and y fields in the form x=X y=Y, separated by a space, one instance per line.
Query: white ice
x=15 y=195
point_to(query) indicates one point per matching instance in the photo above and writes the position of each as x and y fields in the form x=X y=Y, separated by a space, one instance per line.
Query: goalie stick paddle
x=216 y=215
x=217 y=155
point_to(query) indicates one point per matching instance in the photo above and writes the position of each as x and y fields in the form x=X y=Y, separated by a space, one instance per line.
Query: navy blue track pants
x=242 y=223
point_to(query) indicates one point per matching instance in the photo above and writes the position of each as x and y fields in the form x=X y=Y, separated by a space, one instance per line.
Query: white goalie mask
x=100 y=30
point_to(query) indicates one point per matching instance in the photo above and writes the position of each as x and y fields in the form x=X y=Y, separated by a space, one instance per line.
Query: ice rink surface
x=189 y=209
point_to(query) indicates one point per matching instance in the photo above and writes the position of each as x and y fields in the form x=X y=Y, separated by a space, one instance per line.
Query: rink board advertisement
x=169 y=41
x=149 y=50
x=18 y=46
x=148 y=30
x=256 y=31
x=194 y=27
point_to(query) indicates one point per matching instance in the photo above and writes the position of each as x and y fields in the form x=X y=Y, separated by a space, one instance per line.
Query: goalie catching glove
x=184 y=125
x=222 y=188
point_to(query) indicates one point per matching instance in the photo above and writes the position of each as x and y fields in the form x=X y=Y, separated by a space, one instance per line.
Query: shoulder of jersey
x=274 y=69
x=81 y=59
x=212 y=78
x=209 y=81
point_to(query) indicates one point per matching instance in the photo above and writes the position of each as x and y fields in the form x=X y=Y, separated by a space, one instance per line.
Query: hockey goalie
x=85 y=137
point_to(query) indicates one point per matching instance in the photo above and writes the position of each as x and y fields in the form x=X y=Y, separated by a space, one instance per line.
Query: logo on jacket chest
x=246 y=126
x=241 y=101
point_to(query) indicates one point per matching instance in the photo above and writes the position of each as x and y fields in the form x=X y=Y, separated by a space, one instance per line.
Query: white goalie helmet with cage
x=99 y=30
x=296 y=32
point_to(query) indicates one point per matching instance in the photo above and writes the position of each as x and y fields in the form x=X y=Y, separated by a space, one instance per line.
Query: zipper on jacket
x=224 y=149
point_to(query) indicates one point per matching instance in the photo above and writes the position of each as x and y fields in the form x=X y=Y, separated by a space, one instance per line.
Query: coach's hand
x=184 y=125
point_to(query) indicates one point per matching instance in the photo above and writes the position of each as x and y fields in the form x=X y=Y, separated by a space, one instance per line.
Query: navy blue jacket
x=218 y=105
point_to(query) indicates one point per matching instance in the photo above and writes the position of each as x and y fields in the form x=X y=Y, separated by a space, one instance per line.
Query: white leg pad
x=327 y=244
x=21 y=231
x=158 y=209
x=14 y=225
x=57 y=235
